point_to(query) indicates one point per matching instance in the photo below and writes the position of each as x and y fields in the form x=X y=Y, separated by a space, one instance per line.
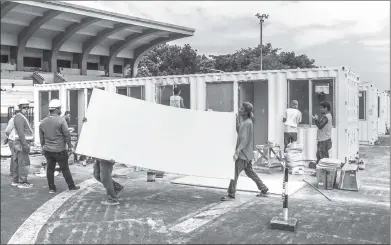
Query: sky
x=334 y=33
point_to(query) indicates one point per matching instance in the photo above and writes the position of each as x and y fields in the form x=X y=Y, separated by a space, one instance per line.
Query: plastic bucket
x=326 y=178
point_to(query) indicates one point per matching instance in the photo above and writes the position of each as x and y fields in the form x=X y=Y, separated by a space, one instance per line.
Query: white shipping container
x=382 y=114
x=368 y=113
x=388 y=108
x=270 y=92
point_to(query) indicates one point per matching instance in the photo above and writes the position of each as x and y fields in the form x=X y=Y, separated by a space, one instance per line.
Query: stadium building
x=55 y=42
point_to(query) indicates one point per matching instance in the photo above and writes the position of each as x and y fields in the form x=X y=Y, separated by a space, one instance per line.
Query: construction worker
x=10 y=134
x=292 y=118
x=244 y=152
x=103 y=173
x=55 y=137
x=23 y=135
x=323 y=136
x=176 y=100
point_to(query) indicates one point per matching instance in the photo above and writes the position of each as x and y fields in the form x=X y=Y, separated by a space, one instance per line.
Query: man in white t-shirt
x=292 y=118
x=176 y=100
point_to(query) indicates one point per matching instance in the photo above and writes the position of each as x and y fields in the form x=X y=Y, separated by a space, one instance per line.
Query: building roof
x=60 y=26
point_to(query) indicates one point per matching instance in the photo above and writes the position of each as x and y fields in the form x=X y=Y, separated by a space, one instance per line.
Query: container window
x=55 y=94
x=299 y=90
x=322 y=90
x=122 y=91
x=136 y=92
x=361 y=105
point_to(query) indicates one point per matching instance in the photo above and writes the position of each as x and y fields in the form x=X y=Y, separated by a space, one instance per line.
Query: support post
x=285 y=223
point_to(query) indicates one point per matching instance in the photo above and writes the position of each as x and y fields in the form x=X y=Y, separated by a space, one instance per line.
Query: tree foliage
x=175 y=60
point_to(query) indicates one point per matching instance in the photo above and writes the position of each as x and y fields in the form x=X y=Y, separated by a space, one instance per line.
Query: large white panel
x=159 y=137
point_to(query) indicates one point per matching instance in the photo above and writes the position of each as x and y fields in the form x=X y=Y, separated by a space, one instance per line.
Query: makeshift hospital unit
x=269 y=92
x=368 y=113
x=382 y=114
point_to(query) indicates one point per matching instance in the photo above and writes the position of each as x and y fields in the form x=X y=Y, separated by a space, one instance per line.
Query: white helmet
x=23 y=101
x=54 y=104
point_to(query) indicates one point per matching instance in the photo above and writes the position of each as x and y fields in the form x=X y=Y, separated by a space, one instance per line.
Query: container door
x=80 y=109
x=73 y=108
x=220 y=96
x=261 y=112
x=246 y=94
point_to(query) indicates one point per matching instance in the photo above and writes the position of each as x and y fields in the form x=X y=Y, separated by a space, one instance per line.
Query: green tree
x=175 y=60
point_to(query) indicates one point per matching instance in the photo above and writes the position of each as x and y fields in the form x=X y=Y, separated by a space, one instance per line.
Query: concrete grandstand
x=54 y=42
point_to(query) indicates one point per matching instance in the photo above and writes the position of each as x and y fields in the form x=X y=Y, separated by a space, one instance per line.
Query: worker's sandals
x=264 y=193
x=228 y=198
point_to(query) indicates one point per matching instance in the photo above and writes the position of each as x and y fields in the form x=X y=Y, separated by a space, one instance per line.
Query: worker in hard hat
x=55 y=138
x=10 y=134
x=23 y=135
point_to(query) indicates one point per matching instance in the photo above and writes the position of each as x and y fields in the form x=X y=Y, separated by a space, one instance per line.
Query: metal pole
x=285 y=194
x=260 y=23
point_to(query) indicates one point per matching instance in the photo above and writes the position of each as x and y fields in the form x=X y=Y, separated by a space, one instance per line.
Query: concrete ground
x=160 y=212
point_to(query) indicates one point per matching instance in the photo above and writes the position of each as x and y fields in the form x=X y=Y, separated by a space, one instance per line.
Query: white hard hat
x=23 y=101
x=54 y=104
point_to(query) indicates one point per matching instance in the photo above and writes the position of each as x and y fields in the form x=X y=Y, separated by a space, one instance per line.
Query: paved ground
x=161 y=212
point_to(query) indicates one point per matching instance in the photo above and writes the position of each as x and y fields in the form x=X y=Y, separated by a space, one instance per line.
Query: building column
x=19 y=59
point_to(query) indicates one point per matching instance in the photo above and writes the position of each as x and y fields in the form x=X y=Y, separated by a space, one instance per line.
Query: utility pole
x=261 y=20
